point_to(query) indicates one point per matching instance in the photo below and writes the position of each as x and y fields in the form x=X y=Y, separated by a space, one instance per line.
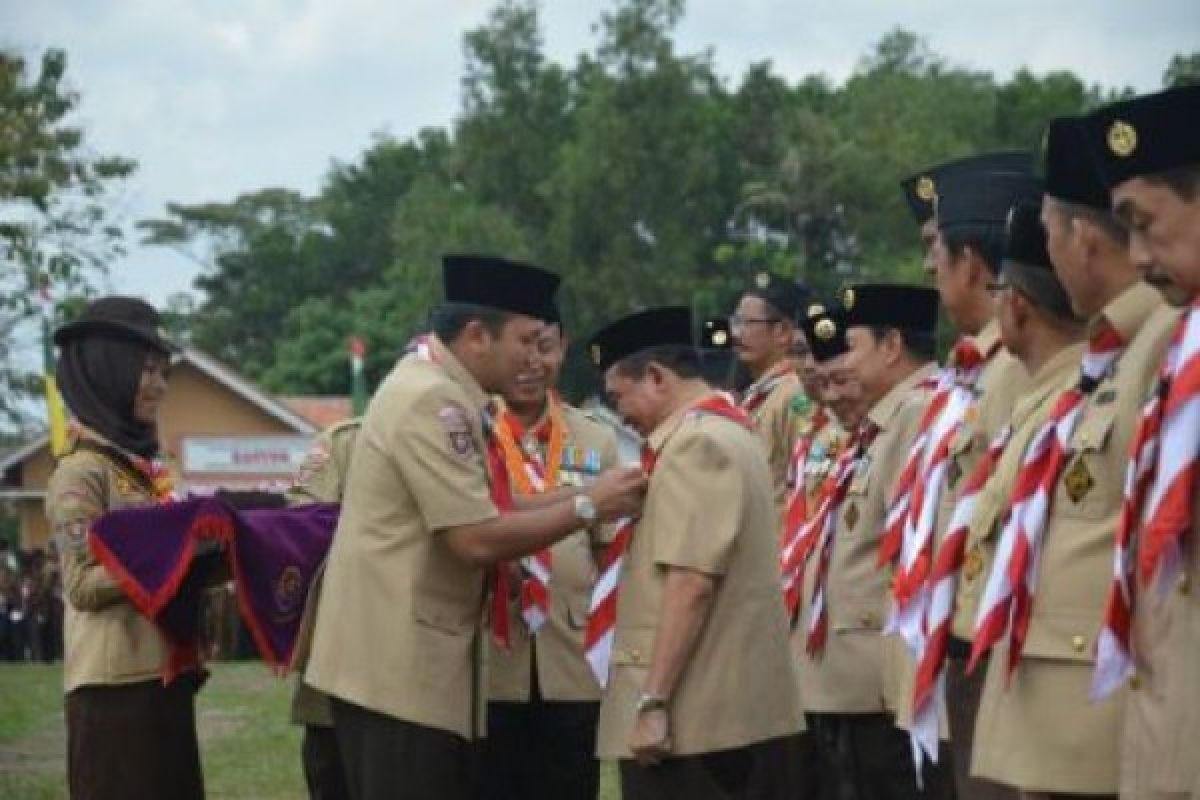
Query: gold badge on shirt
x=852 y=515
x=953 y=473
x=1078 y=480
x=973 y=565
x=126 y=487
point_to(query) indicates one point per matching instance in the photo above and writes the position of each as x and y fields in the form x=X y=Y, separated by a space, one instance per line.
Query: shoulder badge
x=458 y=430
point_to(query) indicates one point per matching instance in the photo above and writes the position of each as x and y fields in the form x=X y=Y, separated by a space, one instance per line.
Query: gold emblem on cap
x=925 y=188
x=597 y=354
x=825 y=329
x=848 y=298
x=719 y=338
x=815 y=309
x=1122 y=139
x=762 y=280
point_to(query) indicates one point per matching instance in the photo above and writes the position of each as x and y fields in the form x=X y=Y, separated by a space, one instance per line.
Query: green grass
x=246 y=744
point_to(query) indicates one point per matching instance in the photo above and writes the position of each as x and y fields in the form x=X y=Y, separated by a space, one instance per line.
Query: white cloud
x=223 y=96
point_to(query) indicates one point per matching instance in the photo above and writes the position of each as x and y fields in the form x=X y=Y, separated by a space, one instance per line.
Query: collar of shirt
x=988 y=340
x=1128 y=311
x=454 y=368
x=667 y=428
x=1058 y=374
x=883 y=411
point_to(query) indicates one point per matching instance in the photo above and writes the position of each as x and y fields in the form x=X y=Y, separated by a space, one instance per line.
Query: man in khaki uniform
x=972 y=197
x=702 y=698
x=1039 y=328
x=848 y=682
x=397 y=641
x=543 y=701
x=321 y=479
x=1149 y=158
x=1037 y=729
x=764 y=331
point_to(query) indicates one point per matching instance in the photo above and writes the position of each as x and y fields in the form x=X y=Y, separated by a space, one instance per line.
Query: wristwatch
x=650 y=702
x=585 y=509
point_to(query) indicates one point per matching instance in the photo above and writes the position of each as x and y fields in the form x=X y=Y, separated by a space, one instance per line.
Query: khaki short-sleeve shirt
x=106 y=639
x=320 y=479
x=856 y=673
x=774 y=421
x=563 y=673
x=1038 y=730
x=1160 y=736
x=399 y=616
x=709 y=508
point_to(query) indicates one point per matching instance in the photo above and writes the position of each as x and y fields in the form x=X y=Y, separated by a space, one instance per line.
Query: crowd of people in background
x=31 y=605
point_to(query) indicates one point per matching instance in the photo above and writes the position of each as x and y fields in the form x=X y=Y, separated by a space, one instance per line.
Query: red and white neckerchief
x=802 y=530
x=1007 y=604
x=421 y=348
x=602 y=617
x=912 y=513
x=797 y=507
x=758 y=392
x=818 y=536
x=1156 y=510
x=530 y=472
x=930 y=681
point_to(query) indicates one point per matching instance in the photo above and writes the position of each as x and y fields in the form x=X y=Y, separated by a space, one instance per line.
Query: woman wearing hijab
x=129 y=735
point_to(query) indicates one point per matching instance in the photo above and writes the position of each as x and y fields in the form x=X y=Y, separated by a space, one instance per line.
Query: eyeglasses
x=738 y=323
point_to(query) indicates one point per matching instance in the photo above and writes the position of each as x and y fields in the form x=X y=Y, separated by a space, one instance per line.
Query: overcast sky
x=218 y=97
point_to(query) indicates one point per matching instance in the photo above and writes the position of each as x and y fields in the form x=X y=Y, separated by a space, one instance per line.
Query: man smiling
x=702 y=698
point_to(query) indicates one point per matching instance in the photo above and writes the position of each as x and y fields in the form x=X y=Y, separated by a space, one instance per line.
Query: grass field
x=248 y=748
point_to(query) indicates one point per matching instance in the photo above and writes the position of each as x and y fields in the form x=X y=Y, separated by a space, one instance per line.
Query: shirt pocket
x=1062 y=636
x=444 y=619
x=633 y=648
x=1088 y=486
x=857 y=616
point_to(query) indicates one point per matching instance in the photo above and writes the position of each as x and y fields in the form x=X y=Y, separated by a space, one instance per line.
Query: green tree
x=57 y=228
x=261 y=256
x=515 y=113
x=433 y=219
x=1184 y=70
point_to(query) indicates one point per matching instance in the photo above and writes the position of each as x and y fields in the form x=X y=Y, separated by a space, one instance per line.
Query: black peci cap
x=783 y=295
x=1071 y=172
x=1027 y=266
x=1025 y=237
x=500 y=283
x=921 y=189
x=1145 y=135
x=715 y=334
x=891 y=305
x=654 y=327
x=825 y=331
x=118 y=317
x=983 y=198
